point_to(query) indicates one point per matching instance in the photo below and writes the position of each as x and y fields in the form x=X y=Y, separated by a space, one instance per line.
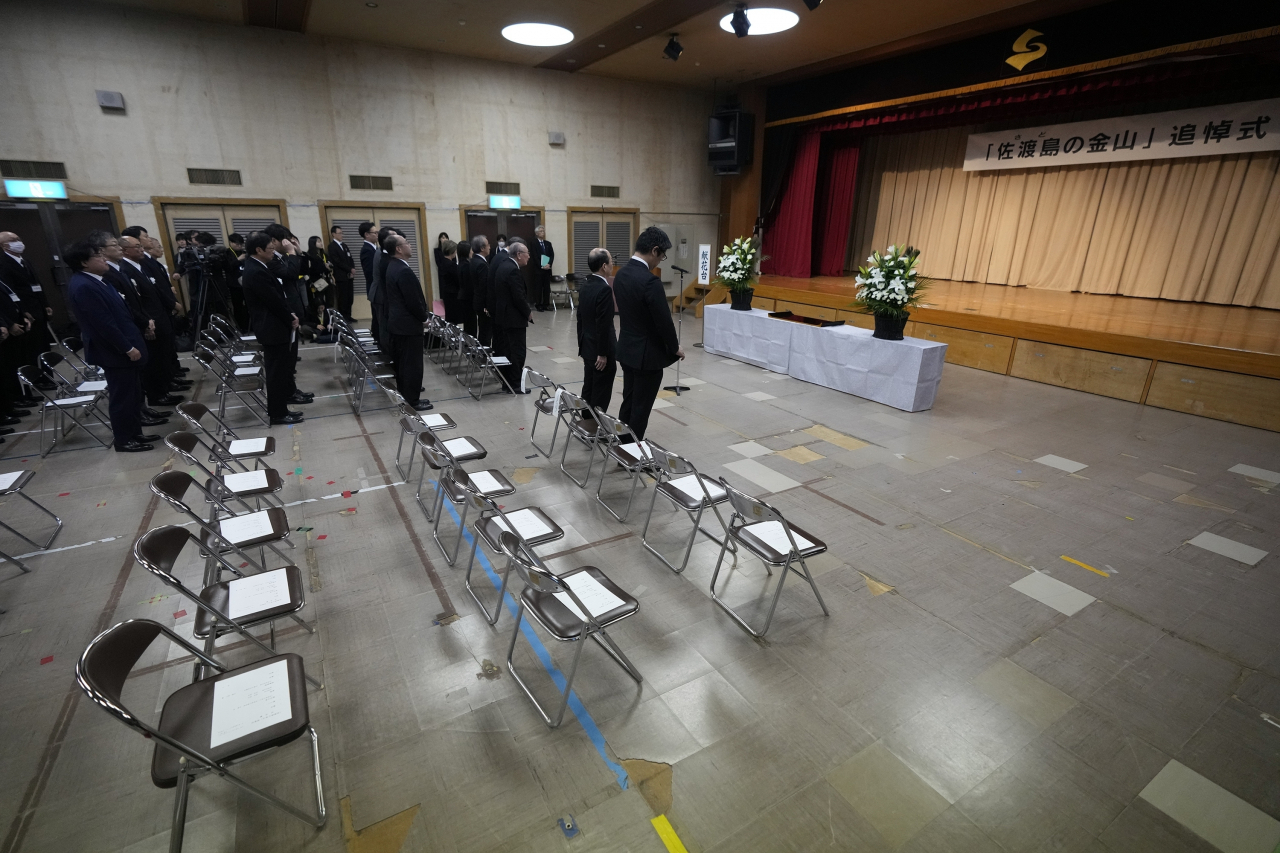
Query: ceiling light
x=372 y=5
x=758 y=22
x=537 y=35
x=813 y=4
x=673 y=49
x=600 y=45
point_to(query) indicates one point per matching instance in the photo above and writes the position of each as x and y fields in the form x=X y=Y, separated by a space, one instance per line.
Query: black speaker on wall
x=731 y=141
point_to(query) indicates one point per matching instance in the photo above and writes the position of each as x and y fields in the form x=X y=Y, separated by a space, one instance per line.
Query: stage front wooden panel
x=1218 y=361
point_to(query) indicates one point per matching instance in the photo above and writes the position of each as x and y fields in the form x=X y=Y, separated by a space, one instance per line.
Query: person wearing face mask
x=15 y=272
x=112 y=341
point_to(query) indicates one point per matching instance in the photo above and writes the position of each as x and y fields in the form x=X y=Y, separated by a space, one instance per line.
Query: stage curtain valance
x=1200 y=229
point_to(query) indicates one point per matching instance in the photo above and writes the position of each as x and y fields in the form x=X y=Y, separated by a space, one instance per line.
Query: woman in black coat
x=447 y=267
x=461 y=310
x=319 y=277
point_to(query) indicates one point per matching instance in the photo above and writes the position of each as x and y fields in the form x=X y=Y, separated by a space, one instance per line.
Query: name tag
x=35 y=288
x=14 y=297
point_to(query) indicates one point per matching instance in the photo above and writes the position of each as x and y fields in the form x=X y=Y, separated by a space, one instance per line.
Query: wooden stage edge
x=1220 y=361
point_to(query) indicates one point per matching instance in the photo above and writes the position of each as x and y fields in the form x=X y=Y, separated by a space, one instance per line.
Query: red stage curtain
x=833 y=208
x=788 y=240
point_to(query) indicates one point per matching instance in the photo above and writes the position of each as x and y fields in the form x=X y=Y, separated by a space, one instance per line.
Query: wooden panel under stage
x=1095 y=338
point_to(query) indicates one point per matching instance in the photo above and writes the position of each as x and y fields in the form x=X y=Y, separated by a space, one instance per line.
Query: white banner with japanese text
x=1225 y=129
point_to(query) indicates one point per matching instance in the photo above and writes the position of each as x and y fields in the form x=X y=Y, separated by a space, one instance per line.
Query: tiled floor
x=1025 y=651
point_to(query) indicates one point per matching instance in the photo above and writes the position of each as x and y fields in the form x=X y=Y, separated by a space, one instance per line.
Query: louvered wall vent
x=36 y=169
x=217 y=177
x=602 y=191
x=370 y=182
x=502 y=188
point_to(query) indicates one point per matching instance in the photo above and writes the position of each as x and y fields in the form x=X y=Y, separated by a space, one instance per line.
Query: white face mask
x=502 y=244
x=17 y=247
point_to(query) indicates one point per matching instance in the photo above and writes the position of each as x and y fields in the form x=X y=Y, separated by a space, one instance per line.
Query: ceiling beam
x=277 y=14
x=656 y=18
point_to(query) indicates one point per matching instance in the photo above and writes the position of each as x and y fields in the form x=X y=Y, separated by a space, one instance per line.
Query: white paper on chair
x=501 y=360
x=250 y=702
x=244 y=528
x=772 y=534
x=248 y=371
x=528 y=525
x=93 y=386
x=245 y=482
x=7 y=480
x=485 y=482
x=256 y=593
x=243 y=359
x=689 y=485
x=591 y=593
x=71 y=401
x=458 y=446
x=248 y=337
x=639 y=451
x=435 y=421
x=247 y=445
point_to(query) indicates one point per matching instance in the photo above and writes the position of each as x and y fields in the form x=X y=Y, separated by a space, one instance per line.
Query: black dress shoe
x=301 y=399
x=181 y=386
x=10 y=420
x=167 y=400
x=134 y=446
x=6 y=430
x=154 y=421
x=291 y=418
x=423 y=406
x=28 y=401
x=155 y=413
x=184 y=369
x=145 y=437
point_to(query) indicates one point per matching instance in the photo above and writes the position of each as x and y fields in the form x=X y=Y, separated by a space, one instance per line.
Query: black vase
x=889 y=328
x=741 y=299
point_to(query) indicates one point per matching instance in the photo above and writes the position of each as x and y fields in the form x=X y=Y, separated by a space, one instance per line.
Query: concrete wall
x=297 y=114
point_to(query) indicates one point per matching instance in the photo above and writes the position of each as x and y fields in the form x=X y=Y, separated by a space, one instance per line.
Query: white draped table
x=903 y=374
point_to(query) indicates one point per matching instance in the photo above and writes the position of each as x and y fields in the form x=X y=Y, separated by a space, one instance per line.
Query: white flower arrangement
x=890 y=284
x=736 y=268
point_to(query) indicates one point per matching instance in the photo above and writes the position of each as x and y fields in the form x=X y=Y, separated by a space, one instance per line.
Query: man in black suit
x=274 y=324
x=17 y=273
x=482 y=327
x=377 y=291
x=343 y=266
x=17 y=320
x=287 y=267
x=597 y=343
x=510 y=310
x=542 y=272
x=368 y=252
x=157 y=375
x=406 y=316
x=648 y=341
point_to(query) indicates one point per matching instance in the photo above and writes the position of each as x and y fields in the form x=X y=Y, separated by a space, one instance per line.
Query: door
x=220 y=220
x=406 y=220
x=609 y=229
x=74 y=222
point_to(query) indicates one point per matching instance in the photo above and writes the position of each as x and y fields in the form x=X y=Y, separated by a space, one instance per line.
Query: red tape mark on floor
x=323 y=536
x=179 y=614
x=44 y=661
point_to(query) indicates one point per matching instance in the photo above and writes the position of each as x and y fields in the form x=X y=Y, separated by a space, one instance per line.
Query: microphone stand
x=679 y=328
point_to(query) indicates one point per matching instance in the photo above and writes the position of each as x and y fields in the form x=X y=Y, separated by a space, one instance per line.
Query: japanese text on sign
x=1225 y=129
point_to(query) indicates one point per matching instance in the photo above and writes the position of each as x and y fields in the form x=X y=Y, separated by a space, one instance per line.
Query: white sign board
x=704 y=263
x=1225 y=129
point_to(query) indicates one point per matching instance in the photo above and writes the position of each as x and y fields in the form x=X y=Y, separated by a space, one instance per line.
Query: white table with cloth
x=903 y=374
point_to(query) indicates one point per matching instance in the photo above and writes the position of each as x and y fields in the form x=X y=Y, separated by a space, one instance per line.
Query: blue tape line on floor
x=575 y=704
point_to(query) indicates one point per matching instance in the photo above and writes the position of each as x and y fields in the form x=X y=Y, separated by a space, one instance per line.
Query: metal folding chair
x=583 y=427
x=556 y=603
x=13 y=483
x=54 y=364
x=184 y=735
x=635 y=458
x=680 y=483
x=87 y=371
x=481 y=361
x=439 y=456
x=411 y=423
x=225 y=453
x=531 y=525
x=551 y=403
x=69 y=412
x=248 y=384
x=763 y=531
x=260 y=484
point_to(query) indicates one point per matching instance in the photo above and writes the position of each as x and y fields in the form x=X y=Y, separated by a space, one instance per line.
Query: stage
x=1218 y=361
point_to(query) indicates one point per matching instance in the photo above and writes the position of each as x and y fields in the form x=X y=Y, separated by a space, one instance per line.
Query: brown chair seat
x=560 y=620
x=629 y=455
x=492 y=531
x=583 y=427
x=269 y=450
x=279 y=528
x=689 y=502
x=456 y=493
x=188 y=717
x=274 y=484
x=219 y=596
x=770 y=554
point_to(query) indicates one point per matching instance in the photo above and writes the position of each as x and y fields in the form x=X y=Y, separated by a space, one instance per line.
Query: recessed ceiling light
x=462 y=23
x=764 y=21
x=639 y=26
x=537 y=35
x=599 y=45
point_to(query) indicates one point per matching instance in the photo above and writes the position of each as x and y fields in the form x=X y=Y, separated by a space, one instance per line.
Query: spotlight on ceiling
x=537 y=35
x=673 y=49
x=758 y=22
x=813 y=4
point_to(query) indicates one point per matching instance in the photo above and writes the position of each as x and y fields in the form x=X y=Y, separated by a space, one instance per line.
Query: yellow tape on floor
x=668 y=834
x=1086 y=566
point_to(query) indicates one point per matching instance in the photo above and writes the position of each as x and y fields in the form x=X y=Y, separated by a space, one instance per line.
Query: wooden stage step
x=1219 y=361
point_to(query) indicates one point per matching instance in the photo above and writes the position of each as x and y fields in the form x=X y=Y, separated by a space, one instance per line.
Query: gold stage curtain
x=1198 y=229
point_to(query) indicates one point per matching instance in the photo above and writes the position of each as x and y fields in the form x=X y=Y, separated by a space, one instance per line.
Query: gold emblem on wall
x=1026 y=51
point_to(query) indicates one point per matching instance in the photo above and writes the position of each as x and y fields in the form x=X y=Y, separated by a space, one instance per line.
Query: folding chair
x=86 y=371
x=635 y=457
x=439 y=457
x=228 y=328
x=262 y=483
x=192 y=735
x=559 y=604
x=73 y=385
x=680 y=483
x=763 y=531
x=550 y=403
x=563 y=286
x=481 y=360
x=13 y=483
x=65 y=410
x=261 y=529
x=412 y=423
x=237 y=450
x=583 y=427
x=248 y=384
x=533 y=527
x=237 y=605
